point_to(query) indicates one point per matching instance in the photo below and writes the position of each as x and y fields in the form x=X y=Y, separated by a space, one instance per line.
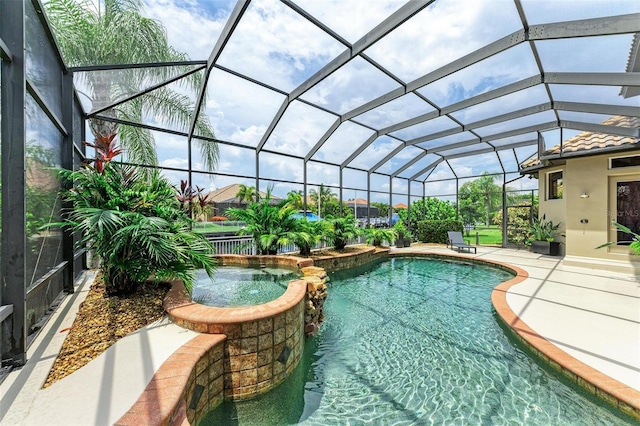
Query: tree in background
x=325 y=201
x=522 y=208
x=383 y=208
x=110 y=32
x=430 y=208
x=296 y=199
x=247 y=194
x=479 y=199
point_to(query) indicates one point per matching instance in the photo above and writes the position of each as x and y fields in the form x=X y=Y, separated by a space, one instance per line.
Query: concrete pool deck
x=591 y=315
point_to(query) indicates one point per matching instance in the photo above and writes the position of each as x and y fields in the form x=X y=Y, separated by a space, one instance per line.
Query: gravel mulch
x=101 y=321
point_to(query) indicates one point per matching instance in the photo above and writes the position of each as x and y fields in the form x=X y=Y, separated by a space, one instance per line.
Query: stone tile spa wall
x=185 y=387
x=263 y=343
x=350 y=260
x=241 y=353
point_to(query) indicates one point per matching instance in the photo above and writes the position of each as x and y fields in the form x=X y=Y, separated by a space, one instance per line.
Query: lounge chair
x=455 y=240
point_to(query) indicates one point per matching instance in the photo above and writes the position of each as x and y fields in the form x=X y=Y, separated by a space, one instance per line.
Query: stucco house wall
x=590 y=175
x=553 y=210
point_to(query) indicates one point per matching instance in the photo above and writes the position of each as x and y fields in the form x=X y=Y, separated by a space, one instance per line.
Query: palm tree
x=271 y=226
x=295 y=198
x=491 y=194
x=111 y=32
x=322 y=198
x=377 y=236
x=247 y=194
x=341 y=230
x=309 y=234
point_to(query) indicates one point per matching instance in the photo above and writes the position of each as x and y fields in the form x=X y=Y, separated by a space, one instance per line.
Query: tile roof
x=228 y=193
x=358 y=202
x=590 y=141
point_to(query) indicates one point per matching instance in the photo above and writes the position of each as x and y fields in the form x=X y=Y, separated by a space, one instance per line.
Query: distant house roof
x=228 y=195
x=400 y=206
x=357 y=201
x=589 y=143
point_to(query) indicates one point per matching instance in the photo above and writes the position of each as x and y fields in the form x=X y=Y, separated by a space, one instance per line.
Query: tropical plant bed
x=101 y=321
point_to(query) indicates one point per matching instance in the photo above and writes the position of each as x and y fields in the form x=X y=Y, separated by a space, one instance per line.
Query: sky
x=275 y=45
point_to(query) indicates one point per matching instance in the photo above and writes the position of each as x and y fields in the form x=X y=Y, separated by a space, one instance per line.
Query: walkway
x=592 y=315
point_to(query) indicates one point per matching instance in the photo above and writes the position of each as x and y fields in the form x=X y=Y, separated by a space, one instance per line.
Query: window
x=627 y=209
x=625 y=162
x=555 y=186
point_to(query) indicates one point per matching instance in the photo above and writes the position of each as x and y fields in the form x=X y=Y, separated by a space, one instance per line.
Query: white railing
x=233 y=245
x=246 y=245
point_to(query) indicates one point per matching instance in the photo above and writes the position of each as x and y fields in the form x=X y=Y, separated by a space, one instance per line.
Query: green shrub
x=135 y=225
x=435 y=231
x=518 y=223
x=273 y=226
x=377 y=236
x=340 y=230
x=308 y=235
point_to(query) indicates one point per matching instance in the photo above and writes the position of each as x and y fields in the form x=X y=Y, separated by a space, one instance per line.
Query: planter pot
x=545 y=247
x=400 y=242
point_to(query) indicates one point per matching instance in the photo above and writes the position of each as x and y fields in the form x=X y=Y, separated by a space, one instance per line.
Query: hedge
x=435 y=231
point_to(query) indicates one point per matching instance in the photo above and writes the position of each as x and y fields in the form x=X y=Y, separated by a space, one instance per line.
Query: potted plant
x=404 y=236
x=542 y=233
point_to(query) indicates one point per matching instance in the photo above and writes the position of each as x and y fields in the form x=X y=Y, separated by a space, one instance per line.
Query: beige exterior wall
x=553 y=210
x=590 y=175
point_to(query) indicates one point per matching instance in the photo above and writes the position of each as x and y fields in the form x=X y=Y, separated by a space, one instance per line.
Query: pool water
x=235 y=286
x=415 y=341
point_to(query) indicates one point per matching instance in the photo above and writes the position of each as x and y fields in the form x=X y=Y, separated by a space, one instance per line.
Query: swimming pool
x=415 y=341
x=236 y=286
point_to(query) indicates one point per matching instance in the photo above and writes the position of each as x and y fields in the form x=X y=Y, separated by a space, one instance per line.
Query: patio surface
x=592 y=315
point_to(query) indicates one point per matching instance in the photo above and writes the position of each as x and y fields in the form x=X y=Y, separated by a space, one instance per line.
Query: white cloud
x=353 y=84
x=178 y=163
x=441 y=33
x=343 y=142
x=189 y=27
x=375 y=152
x=323 y=174
x=543 y=11
x=351 y=19
x=300 y=128
x=276 y=45
x=398 y=110
x=239 y=110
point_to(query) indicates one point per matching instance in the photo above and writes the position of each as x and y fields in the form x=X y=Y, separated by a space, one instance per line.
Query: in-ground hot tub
x=236 y=286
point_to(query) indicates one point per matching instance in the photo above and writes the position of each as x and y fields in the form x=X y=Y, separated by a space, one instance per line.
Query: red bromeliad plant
x=192 y=201
x=106 y=150
x=133 y=222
